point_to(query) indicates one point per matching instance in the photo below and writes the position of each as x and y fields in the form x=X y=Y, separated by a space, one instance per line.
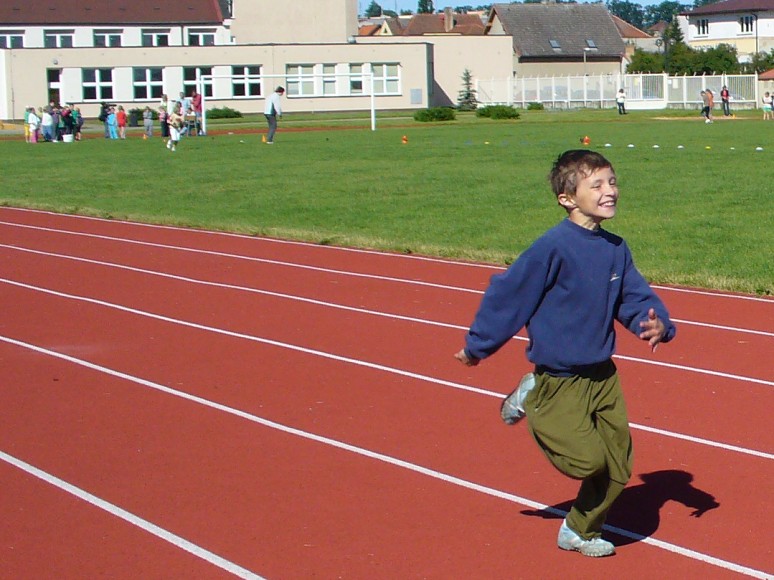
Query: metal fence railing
x=643 y=91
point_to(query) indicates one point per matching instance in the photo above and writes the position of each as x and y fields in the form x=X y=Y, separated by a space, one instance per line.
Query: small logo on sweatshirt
x=614 y=277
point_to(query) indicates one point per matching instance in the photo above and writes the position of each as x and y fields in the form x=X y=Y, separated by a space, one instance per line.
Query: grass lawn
x=700 y=215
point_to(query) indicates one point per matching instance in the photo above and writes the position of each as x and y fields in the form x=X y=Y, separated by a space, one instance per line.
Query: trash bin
x=134 y=119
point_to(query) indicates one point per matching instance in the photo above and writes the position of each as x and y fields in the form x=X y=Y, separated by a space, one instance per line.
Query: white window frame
x=329 y=86
x=11 y=39
x=99 y=84
x=189 y=84
x=242 y=77
x=153 y=35
x=148 y=83
x=61 y=38
x=746 y=25
x=356 y=86
x=111 y=38
x=382 y=79
x=300 y=80
x=204 y=36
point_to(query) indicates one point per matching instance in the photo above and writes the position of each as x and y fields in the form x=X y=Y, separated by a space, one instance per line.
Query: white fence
x=643 y=91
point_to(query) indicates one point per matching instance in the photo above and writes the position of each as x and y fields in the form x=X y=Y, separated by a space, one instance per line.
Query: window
x=329 y=79
x=152 y=37
x=590 y=43
x=355 y=82
x=148 y=83
x=241 y=85
x=386 y=79
x=58 y=38
x=555 y=44
x=190 y=74
x=11 y=39
x=201 y=37
x=746 y=24
x=107 y=38
x=97 y=84
x=702 y=27
x=300 y=80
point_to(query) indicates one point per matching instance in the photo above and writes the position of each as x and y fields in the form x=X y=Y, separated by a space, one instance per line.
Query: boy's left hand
x=653 y=329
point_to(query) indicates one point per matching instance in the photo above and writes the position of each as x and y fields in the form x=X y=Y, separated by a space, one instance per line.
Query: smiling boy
x=568 y=289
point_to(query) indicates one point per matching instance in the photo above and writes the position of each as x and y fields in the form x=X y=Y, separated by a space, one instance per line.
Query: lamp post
x=586 y=49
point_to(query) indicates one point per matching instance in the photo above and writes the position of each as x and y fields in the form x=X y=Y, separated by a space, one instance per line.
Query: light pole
x=586 y=49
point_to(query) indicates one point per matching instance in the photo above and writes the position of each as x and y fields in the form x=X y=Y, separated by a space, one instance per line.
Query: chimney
x=448 y=19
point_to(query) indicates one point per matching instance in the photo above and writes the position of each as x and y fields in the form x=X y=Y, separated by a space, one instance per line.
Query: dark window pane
x=140 y=92
x=89 y=93
x=239 y=90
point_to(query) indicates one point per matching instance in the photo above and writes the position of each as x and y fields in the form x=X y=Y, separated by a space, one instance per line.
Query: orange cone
x=404 y=139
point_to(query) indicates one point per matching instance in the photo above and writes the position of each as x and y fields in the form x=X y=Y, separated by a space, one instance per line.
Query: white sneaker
x=512 y=410
x=594 y=548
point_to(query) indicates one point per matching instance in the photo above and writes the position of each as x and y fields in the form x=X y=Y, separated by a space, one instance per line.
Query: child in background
x=34 y=122
x=112 y=123
x=121 y=121
x=147 y=120
x=176 y=122
x=568 y=289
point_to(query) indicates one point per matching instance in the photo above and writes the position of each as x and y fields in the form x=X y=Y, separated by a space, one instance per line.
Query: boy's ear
x=566 y=201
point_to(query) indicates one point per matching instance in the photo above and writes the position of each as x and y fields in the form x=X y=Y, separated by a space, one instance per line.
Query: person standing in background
x=272 y=112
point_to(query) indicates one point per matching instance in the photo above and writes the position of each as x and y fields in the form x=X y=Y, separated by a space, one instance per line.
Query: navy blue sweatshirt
x=567 y=289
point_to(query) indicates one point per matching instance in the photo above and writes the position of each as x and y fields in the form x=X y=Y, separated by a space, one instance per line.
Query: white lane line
x=709 y=293
x=131 y=518
x=692 y=554
x=374 y=366
x=289 y=264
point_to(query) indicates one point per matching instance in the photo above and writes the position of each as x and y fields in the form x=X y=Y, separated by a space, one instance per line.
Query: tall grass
x=471 y=189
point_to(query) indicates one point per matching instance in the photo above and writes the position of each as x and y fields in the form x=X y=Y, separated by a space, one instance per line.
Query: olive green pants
x=580 y=424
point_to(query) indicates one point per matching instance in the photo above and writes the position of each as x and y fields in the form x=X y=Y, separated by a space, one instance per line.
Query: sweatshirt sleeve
x=507 y=305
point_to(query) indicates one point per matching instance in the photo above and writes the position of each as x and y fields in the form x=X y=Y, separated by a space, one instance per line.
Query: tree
x=373 y=10
x=632 y=13
x=665 y=12
x=467 y=101
x=719 y=59
x=425 y=7
x=646 y=62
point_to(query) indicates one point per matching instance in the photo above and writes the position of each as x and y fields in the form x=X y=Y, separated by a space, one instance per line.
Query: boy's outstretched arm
x=653 y=329
x=463 y=357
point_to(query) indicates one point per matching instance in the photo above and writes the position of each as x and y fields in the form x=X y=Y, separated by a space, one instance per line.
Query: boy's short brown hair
x=571 y=164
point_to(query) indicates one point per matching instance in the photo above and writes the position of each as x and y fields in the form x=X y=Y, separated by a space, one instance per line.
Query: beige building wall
x=291 y=21
x=23 y=78
x=486 y=57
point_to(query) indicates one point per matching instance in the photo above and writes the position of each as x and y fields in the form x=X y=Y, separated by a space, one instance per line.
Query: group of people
x=114 y=119
x=174 y=117
x=708 y=103
x=51 y=123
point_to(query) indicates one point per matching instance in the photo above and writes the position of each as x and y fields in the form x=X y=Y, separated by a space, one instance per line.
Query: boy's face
x=594 y=200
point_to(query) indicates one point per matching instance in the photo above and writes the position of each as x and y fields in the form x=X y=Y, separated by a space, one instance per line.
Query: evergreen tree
x=467 y=101
x=373 y=10
x=425 y=7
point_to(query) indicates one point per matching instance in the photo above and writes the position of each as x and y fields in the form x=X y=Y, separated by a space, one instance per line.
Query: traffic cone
x=586 y=140
x=263 y=138
x=404 y=139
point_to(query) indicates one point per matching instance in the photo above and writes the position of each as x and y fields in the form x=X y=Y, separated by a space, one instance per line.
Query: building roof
x=560 y=30
x=466 y=24
x=767 y=76
x=731 y=6
x=627 y=30
x=109 y=12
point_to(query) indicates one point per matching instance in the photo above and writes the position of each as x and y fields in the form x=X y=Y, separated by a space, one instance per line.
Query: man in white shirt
x=272 y=112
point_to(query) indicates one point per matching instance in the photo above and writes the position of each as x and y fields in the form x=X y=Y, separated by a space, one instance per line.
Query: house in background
x=559 y=39
x=634 y=38
x=747 y=25
x=130 y=53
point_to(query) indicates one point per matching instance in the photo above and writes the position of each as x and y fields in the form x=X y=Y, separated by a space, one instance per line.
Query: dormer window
x=555 y=44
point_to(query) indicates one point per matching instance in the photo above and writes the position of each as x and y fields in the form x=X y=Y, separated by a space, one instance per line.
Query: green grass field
x=472 y=189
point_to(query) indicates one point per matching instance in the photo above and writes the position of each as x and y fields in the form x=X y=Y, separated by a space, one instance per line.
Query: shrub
x=223 y=113
x=435 y=114
x=498 y=112
x=535 y=106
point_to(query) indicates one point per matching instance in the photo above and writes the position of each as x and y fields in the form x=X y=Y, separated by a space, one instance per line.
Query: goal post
x=368 y=88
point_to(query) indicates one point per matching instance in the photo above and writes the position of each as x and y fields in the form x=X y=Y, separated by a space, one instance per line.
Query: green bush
x=535 y=106
x=435 y=114
x=138 y=115
x=223 y=113
x=498 y=112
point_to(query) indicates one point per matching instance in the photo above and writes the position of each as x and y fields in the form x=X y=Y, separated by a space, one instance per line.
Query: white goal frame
x=202 y=79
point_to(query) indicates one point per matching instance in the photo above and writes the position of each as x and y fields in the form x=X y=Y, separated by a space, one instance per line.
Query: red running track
x=187 y=404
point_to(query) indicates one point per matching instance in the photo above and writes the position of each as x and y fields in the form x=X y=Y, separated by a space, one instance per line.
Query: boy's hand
x=465 y=359
x=653 y=329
